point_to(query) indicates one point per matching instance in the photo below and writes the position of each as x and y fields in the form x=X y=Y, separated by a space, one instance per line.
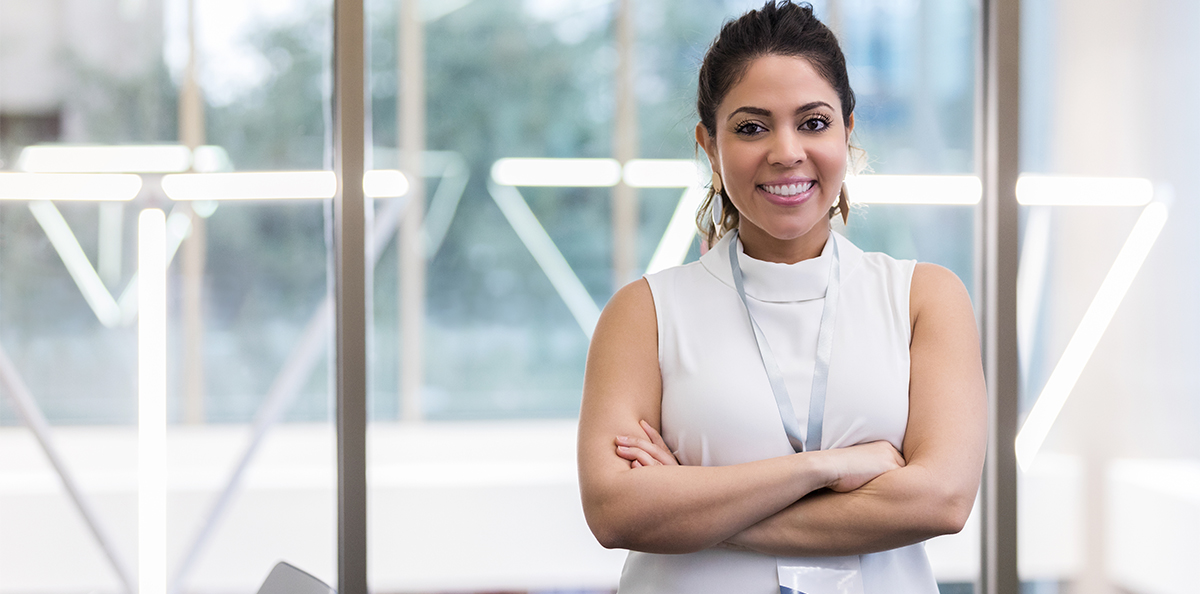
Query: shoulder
x=628 y=316
x=936 y=291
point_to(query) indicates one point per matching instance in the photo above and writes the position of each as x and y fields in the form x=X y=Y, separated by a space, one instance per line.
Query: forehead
x=779 y=84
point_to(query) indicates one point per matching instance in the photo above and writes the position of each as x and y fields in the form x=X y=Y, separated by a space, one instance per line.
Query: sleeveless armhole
x=910 y=268
x=656 y=303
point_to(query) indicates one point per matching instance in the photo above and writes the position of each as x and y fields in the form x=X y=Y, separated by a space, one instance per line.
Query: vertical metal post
x=411 y=240
x=998 y=148
x=195 y=247
x=350 y=294
x=625 y=148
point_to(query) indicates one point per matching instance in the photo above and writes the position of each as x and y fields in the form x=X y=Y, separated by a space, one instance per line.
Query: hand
x=649 y=450
x=858 y=465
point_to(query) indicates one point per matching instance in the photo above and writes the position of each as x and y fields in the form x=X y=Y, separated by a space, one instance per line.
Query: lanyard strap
x=816 y=402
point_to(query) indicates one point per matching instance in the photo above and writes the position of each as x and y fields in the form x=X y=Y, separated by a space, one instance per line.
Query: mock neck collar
x=781 y=283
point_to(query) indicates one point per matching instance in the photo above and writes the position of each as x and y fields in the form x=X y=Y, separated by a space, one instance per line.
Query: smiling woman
x=790 y=413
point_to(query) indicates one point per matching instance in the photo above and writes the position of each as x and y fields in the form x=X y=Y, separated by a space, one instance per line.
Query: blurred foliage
x=500 y=81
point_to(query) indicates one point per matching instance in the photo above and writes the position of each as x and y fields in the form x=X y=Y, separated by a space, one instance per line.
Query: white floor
x=456 y=507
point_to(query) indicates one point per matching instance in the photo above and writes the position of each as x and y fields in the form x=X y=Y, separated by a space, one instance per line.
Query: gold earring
x=716 y=182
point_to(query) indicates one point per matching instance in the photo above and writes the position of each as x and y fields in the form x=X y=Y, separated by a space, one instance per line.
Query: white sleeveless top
x=718 y=408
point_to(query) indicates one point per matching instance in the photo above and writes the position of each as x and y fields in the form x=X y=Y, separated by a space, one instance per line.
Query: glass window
x=249 y=458
x=1106 y=444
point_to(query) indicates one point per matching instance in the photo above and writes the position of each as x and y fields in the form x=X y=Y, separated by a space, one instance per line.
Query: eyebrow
x=758 y=111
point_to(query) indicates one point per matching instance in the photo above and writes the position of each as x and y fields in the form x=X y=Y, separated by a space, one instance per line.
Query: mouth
x=789 y=194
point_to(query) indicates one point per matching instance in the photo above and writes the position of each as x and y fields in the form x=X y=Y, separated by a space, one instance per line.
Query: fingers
x=658 y=451
x=655 y=438
x=638 y=456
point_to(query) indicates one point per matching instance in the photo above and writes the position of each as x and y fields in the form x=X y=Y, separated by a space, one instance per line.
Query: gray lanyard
x=816 y=402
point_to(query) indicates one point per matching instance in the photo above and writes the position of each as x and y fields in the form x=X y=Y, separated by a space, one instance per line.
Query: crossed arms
x=855 y=500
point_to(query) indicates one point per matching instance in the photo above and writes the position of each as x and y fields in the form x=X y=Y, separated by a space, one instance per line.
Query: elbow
x=606 y=534
x=952 y=511
x=606 y=525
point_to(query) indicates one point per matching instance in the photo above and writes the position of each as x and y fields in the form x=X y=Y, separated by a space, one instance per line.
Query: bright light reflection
x=914 y=189
x=673 y=248
x=661 y=173
x=563 y=173
x=152 y=403
x=1091 y=328
x=384 y=183
x=69 y=186
x=165 y=158
x=254 y=185
x=1048 y=190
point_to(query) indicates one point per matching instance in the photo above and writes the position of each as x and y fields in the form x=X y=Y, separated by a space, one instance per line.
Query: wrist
x=819 y=470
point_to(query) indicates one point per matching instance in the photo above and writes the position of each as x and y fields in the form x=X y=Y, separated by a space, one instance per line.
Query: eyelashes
x=814 y=123
x=749 y=128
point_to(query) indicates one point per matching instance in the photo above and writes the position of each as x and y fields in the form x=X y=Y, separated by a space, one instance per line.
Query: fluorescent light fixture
x=1091 y=328
x=69 y=186
x=384 y=183
x=563 y=173
x=152 y=402
x=253 y=185
x=914 y=189
x=1056 y=190
x=47 y=158
x=661 y=173
x=209 y=159
x=65 y=243
x=677 y=239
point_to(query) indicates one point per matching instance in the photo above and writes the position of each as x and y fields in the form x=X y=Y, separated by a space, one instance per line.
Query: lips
x=790 y=193
x=788 y=190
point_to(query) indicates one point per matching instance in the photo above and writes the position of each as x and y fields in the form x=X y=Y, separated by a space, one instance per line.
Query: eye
x=749 y=128
x=815 y=124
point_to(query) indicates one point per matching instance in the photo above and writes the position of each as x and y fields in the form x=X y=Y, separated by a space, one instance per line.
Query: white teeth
x=789 y=190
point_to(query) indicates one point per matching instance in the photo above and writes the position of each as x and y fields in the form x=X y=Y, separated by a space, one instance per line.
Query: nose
x=787 y=148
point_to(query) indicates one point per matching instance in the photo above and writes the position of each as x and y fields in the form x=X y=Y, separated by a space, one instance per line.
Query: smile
x=790 y=189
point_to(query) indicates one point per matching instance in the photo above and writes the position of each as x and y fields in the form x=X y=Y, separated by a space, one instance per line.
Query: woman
x=789 y=413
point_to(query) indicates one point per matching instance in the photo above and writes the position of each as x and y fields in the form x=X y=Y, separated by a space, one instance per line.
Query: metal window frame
x=998 y=157
x=350 y=293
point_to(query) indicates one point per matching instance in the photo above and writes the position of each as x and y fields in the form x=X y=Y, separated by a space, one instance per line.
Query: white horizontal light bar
x=661 y=173
x=914 y=189
x=277 y=185
x=166 y=158
x=252 y=185
x=385 y=183
x=69 y=186
x=563 y=173
x=1056 y=190
x=1091 y=328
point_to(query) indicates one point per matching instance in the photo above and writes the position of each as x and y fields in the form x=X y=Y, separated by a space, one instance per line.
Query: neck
x=761 y=246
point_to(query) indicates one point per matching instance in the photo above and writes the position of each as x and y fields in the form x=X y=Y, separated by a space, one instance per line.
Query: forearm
x=680 y=509
x=898 y=508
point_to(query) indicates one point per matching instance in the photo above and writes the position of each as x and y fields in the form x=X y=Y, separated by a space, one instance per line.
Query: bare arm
x=943 y=445
x=677 y=509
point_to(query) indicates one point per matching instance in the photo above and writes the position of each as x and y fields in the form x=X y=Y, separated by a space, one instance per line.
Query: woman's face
x=780 y=148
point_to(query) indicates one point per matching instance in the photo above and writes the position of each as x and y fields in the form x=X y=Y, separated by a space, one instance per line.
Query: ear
x=707 y=143
x=850 y=128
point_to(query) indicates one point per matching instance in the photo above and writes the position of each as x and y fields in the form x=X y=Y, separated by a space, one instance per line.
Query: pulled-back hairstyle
x=779 y=28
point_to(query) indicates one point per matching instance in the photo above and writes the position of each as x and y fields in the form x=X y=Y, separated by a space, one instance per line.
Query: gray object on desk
x=287 y=579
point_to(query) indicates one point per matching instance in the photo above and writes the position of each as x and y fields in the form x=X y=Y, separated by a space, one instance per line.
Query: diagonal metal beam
x=297 y=368
x=22 y=400
x=547 y=255
x=111 y=312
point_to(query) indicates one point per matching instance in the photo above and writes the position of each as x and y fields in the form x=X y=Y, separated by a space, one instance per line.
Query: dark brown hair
x=779 y=28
